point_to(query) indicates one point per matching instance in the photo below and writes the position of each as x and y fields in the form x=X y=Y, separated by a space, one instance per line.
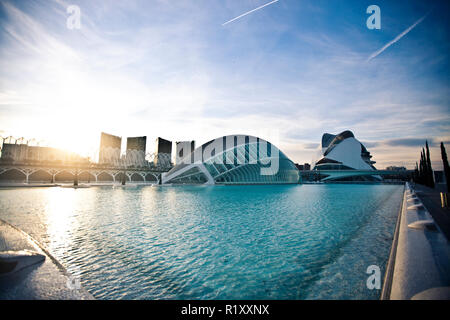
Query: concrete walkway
x=47 y=280
x=431 y=199
x=419 y=263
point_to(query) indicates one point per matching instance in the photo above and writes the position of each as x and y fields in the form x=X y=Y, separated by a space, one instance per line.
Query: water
x=214 y=242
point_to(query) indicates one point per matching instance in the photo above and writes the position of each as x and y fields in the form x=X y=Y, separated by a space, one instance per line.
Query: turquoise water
x=214 y=242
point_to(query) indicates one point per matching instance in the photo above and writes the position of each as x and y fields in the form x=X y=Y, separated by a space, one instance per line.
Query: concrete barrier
x=45 y=279
x=421 y=264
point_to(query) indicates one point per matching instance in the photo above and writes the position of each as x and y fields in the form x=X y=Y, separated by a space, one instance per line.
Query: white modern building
x=234 y=159
x=343 y=152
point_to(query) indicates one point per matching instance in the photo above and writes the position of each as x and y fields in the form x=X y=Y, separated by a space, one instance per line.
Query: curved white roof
x=232 y=159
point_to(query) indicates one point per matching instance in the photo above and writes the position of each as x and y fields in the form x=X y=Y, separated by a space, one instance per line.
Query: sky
x=287 y=73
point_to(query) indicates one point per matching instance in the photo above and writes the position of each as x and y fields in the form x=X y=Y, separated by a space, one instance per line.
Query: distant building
x=14 y=152
x=303 y=167
x=183 y=149
x=394 y=168
x=163 y=153
x=163 y=146
x=109 y=149
x=137 y=143
x=136 y=147
x=26 y=153
x=343 y=152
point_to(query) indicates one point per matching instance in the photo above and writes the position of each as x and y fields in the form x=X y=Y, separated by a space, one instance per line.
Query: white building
x=344 y=152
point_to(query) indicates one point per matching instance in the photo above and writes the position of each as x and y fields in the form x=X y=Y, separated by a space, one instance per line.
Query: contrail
x=250 y=12
x=401 y=35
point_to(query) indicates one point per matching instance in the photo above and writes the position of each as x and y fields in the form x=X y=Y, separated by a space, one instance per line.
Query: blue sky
x=288 y=73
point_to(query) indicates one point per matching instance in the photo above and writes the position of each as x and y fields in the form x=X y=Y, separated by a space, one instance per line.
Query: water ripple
x=223 y=242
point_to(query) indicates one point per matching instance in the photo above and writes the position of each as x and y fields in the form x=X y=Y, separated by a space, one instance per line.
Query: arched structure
x=27 y=173
x=234 y=159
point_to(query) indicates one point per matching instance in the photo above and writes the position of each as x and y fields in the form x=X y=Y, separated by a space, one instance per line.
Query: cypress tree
x=425 y=168
x=416 y=173
x=446 y=167
x=430 y=178
x=422 y=168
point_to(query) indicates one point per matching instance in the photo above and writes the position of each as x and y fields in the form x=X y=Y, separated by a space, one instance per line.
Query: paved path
x=431 y=199
x=47 y=280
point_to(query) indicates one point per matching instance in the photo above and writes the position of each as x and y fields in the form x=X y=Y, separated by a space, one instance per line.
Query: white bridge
x=89 y=173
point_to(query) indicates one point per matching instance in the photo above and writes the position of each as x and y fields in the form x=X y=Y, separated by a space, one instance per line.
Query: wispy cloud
x=397 y=38
x=248 y=12
x=172 y=65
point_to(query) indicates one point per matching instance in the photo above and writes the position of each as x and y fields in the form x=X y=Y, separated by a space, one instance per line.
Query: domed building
x=234 y=159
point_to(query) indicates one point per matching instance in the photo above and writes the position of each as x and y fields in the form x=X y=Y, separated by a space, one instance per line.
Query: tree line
x=423 y=172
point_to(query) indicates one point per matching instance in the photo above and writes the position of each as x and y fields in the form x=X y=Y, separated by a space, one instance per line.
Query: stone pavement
x=431 y=199
x=47 y=280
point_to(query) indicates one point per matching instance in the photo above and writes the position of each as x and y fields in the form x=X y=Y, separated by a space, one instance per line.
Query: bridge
x=89 y=172
x=329 y=175
x=29 y=161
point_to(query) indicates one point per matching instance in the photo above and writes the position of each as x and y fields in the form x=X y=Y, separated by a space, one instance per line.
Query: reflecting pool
x=214 y=242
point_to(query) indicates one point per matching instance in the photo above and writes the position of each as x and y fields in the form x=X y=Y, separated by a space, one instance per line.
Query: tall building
x=109 y=149
x=136 y=147
x=183 y=149
x=163 y=153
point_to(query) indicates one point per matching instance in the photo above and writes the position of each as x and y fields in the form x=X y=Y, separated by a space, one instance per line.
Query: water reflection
x=60 y=218
x=232 y=242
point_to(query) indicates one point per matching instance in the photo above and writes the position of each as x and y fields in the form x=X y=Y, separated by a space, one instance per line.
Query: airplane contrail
x=397 y=38
x=244 y=14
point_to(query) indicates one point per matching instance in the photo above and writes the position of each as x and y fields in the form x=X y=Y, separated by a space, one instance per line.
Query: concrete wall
x=422 y=260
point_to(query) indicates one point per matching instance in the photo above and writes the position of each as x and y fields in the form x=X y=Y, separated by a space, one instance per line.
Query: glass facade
x=246 y=160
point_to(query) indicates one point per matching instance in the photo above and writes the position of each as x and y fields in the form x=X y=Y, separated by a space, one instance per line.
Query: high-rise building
x=136 y=147
x=163 y=153
x=109 y=149
x=183 y=149
x=137 y=143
